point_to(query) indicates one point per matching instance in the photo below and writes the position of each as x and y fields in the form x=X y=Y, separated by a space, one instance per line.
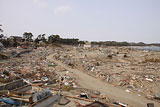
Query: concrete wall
x=48 y=102
x=13 y=85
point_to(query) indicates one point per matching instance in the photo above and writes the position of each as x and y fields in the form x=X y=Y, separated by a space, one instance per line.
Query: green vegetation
x=41 y=40
x=58 y=40
x=28 y=36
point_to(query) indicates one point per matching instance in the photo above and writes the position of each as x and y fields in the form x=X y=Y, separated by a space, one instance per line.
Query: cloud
x=62 y=9
x=40 y=3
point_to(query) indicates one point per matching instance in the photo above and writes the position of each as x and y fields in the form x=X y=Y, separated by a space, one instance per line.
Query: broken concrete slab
x=49 y=102
x=63 y=101
x=13 y=85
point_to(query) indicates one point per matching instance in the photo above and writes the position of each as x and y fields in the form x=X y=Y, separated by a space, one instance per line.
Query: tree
x=43 y=39
x=1 y=28
x=66 y=41
x=54 y=39
x=27 y=36
x=40 y=37
x=50 y=39
x=36 y=40
x=1 y=35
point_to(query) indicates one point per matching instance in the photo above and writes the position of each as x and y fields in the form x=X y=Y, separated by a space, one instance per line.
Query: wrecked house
x=17 y=38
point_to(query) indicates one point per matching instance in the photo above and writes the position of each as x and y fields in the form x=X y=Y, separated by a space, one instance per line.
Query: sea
x=150 y=48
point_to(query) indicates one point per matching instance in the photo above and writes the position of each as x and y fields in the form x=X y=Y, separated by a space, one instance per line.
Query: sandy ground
x=116 y=93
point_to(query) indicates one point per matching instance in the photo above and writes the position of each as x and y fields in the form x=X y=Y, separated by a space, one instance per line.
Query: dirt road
x=118 y=94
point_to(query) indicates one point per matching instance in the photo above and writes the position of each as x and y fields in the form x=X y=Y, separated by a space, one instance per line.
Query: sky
x=92 y=20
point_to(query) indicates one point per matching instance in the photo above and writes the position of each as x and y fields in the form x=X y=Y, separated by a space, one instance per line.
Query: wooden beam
x=90 y=100
x=22 y=99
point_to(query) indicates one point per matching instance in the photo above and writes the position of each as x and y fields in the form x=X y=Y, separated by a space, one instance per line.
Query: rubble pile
x=29 y=78
x=31 y=68
x=121 y=66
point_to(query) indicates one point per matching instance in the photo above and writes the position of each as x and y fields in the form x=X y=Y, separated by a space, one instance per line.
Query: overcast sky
x=100 y=20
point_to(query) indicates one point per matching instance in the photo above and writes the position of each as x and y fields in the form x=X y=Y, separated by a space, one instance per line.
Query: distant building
x=18 y=38
x=87 y=45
